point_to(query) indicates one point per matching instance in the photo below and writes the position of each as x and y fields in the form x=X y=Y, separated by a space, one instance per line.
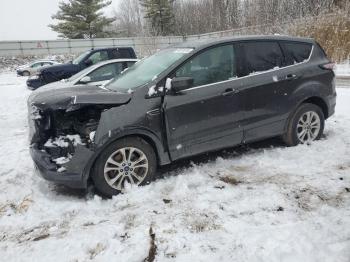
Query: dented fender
x=109 y=131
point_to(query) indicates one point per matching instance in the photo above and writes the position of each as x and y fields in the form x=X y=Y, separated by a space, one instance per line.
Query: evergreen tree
x=82 y=19
x=160 y=14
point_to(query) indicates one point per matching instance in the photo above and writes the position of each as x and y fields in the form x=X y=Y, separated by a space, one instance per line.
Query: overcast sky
x=28 y=19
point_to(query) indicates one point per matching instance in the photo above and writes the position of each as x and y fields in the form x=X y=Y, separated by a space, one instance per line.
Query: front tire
x=26 y=73
x=129 y=160
x=306 y=125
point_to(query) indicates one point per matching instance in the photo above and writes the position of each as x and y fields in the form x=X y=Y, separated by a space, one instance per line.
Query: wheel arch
x=161 y=154
x=316 y=100
x=312 y=99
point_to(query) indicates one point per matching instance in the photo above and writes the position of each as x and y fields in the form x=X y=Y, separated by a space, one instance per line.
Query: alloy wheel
x=126 y=165
x=308 y=127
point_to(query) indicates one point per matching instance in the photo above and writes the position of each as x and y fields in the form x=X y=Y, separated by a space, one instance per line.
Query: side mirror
x=85 y=80
x=179 y=84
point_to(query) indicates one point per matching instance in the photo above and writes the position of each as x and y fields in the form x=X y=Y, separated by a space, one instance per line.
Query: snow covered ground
x=264 y=202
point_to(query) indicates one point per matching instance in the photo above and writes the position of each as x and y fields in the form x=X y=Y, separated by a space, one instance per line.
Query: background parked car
x=89 y=58
x=98 y=74
x=32 y=68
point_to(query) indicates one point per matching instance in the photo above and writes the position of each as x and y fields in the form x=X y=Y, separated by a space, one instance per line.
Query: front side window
x=296 y=52
x=106 y=72
x=80 y=58
x=147 y=69
x=98 y=57
x=262 y=56
x=36 y=65
x=214 y=65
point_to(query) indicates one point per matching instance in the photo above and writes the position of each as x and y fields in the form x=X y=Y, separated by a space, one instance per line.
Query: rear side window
x=121 y=53
x=262 y=56
x=296 y=52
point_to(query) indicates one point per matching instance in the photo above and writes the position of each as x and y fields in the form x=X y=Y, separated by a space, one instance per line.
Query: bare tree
x=129 y=18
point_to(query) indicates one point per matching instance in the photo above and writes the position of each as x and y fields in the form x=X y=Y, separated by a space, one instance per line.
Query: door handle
x=230 y=91
x=291 y=77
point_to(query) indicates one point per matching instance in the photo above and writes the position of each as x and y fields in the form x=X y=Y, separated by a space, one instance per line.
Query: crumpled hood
x=69 y=98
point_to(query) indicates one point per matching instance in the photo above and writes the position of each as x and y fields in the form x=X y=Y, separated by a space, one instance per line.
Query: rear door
x=270 y=80
x=263 y=100
x=208 y=116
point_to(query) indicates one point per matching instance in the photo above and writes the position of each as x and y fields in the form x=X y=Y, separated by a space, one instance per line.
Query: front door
x=208 y=115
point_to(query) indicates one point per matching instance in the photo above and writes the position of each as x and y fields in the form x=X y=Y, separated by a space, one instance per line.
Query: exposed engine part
x=62 y=146
x=83 y=121
x=61 y=131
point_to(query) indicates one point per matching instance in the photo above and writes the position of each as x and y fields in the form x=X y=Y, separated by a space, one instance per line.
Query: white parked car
x=33 y=67
x=97 y=74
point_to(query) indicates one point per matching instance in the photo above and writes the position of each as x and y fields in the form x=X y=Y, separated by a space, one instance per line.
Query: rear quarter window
x=296 y=52
x=262 y=56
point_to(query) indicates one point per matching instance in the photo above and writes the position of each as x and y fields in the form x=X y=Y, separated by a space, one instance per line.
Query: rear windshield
x=296 y=52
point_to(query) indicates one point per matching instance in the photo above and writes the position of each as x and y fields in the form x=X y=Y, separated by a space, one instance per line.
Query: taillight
x=328 y=66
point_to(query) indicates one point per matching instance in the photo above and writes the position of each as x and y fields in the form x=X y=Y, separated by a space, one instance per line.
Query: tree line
x=187 y=17
x=326 y=20
x=85 y=19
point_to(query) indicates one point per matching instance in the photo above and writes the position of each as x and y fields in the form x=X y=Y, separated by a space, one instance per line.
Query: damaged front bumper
x=72 y=173
x=62 y=123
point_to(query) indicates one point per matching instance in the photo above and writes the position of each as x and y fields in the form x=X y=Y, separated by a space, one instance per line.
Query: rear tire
x=306 y=125
x=129 y=160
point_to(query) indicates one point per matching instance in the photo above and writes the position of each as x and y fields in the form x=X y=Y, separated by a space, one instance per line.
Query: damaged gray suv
x=182 y=101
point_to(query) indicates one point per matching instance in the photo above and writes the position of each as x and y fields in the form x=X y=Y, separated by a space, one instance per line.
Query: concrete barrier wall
x=142 y=45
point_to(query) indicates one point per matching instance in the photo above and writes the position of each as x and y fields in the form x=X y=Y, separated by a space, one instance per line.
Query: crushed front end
x=61 y=143
x=62 y=124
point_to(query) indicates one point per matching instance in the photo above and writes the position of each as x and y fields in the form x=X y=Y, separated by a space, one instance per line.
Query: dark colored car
x=184 y=100
x=64 y=71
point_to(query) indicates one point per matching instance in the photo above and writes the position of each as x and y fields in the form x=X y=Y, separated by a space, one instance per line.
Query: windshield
x=147 y=70
x=80 y=58
x=79 y=74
